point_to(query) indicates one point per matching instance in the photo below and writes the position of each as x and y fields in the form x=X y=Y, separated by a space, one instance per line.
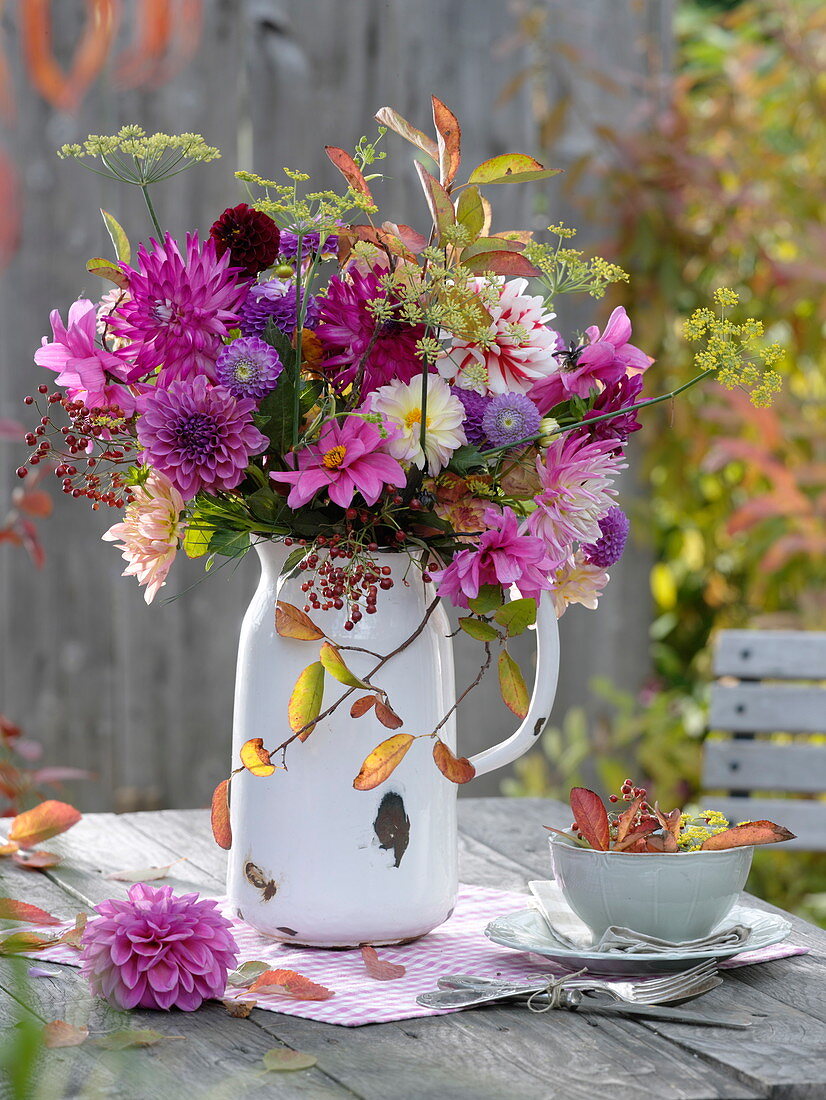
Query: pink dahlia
x=347 y=329
x=504 y=555
x=521 y=348
x=88 y=372
x=576 y=479
x=149 y=532
x=603 y=361
x=178 y=309
x=349 y=458
x=158 y=950
x=199 y=435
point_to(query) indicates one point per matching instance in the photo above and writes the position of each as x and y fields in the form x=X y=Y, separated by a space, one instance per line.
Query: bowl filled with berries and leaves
x=690 y=870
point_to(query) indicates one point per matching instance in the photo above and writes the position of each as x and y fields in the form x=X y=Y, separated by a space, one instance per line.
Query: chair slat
x=779 y=654
x=768 y=708
x=760 y=765
x=807 y=820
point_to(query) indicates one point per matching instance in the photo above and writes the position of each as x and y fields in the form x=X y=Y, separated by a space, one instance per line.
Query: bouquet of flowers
x=313 y=372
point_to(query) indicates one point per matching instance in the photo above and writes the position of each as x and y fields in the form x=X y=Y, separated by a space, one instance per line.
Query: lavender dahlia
x=158 y=950
x=475 y=408
x=510 y=418
x=248 y=367
x=275 y=299
x=609 y=547
x=199 y=435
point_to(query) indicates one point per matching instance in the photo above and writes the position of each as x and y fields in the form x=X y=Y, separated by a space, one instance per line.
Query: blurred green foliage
x=721 y=187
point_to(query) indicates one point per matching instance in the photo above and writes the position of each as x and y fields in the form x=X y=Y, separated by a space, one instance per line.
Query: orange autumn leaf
x=750 y=832
x=255 y=757
x=36 y=861
x=384 y=758
x=387 y=716
x=512 y=685
x=349 y=169
x=361 y=706
x=11 y=909
x=458 y=769
x=221 y=829
x=291 y=622
x=305 y=701
x=46 y=820
x=449 y=136
x=591 y=818
x=57 y=1033
x=288 y=983
x=23 y=943
x=380 y=969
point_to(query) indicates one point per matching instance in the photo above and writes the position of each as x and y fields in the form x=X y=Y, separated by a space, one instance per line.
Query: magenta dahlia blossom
x=349 y=458
x=87 y=371
x=505 y=554
x=199 y=435
x=178 y=309
x=158 y=950
x=346 y=329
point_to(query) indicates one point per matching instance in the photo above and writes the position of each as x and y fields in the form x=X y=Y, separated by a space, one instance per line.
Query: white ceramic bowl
x=676 y=897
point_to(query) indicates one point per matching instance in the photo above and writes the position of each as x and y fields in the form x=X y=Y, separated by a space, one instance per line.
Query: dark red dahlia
x=251 y=237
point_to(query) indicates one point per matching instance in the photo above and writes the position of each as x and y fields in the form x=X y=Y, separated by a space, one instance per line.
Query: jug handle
x=544 y=690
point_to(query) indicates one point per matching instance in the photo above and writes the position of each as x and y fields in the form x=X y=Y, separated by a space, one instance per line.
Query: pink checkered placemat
x=458 y=946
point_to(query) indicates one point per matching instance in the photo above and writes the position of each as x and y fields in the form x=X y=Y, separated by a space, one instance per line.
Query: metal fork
x=463 y=990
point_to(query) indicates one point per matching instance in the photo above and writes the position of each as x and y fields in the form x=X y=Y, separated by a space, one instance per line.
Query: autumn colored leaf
x=246 y=973
x=72 y=936
x=448 y=141
x=255 y=758
x=458 y=769
x=11 y=847
x=291 y=622
x=58 y=1033
x=281 y=1060
x=489 y=244
x=221 y=830
x=288 y=983
x=362 y=705
x=349 y=169
x=23 y=943
x=130 y=1037
x=498 y=262
x=382 y=761
x=117 y=235
x=410 y=238
x=670 y=824
x=385 y=238
x=438 y=200
x=512 y=685
x=626 y=819
x=470 y=212
x=476 y=628
x=334 y=663
x=306 y=699
x=635 y=839
x=750 y=832
x=516 y=616
x=34 y=502
x=143 y=874
x=391 y=118
x=105 y=269
x=591 y=818
x=239 y=1010
x=42 y=822
x=380 y=969
x=387 y=716
x=511 y=168
x=36 y=861
x=11 y=909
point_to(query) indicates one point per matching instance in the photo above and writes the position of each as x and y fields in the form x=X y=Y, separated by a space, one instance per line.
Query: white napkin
x=575 y=934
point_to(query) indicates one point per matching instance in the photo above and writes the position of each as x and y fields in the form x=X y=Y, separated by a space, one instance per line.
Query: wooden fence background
x=143 y=696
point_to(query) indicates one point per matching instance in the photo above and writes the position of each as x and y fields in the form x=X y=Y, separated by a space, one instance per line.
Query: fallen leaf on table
x=72 y=936
x=9 y=849
x=288 y=983
x=36 y=861
x=143 y=874
x=60 y=1034
x=278 y=1059
x=247 y=973
x=133 y=1037
x=380 y=969
x=11 y=909
x=239 y=1010
x=43 y=821
x=19 y=943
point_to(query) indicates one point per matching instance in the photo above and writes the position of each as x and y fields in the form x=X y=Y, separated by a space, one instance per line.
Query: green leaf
x=105 y=269
x=230 y=544
x=489 y=244
x=490 y=597
x=481 y=631
x=470 y=213
x=511 y=168
x=334 y=663
x=197 y=540
x=512 y=685
x=306 y=699
x=247 y=973
x=517 y=616
x=279 y=1059
x=120 y=242
x=266 y=505
x=467 y=458
x=133 y=1037
x=277 y=411
x=273 y=336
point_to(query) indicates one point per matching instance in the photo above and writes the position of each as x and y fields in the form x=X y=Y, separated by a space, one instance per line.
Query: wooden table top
x=485 y=1054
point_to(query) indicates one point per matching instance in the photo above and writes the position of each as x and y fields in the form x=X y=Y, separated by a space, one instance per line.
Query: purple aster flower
x=158 y=950
x=199 y=435
x=612 y=399
x=510 y=418
x=178 y=309
x=276 y=299
x=347 y=329
x=248 y=367
x=608 y=549
x=475 y=407
x=310 y=240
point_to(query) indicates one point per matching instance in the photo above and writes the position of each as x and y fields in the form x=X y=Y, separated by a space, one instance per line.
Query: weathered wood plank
x=762 y=765
x=771 y=654
x=806 y=818
x=764 y=708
